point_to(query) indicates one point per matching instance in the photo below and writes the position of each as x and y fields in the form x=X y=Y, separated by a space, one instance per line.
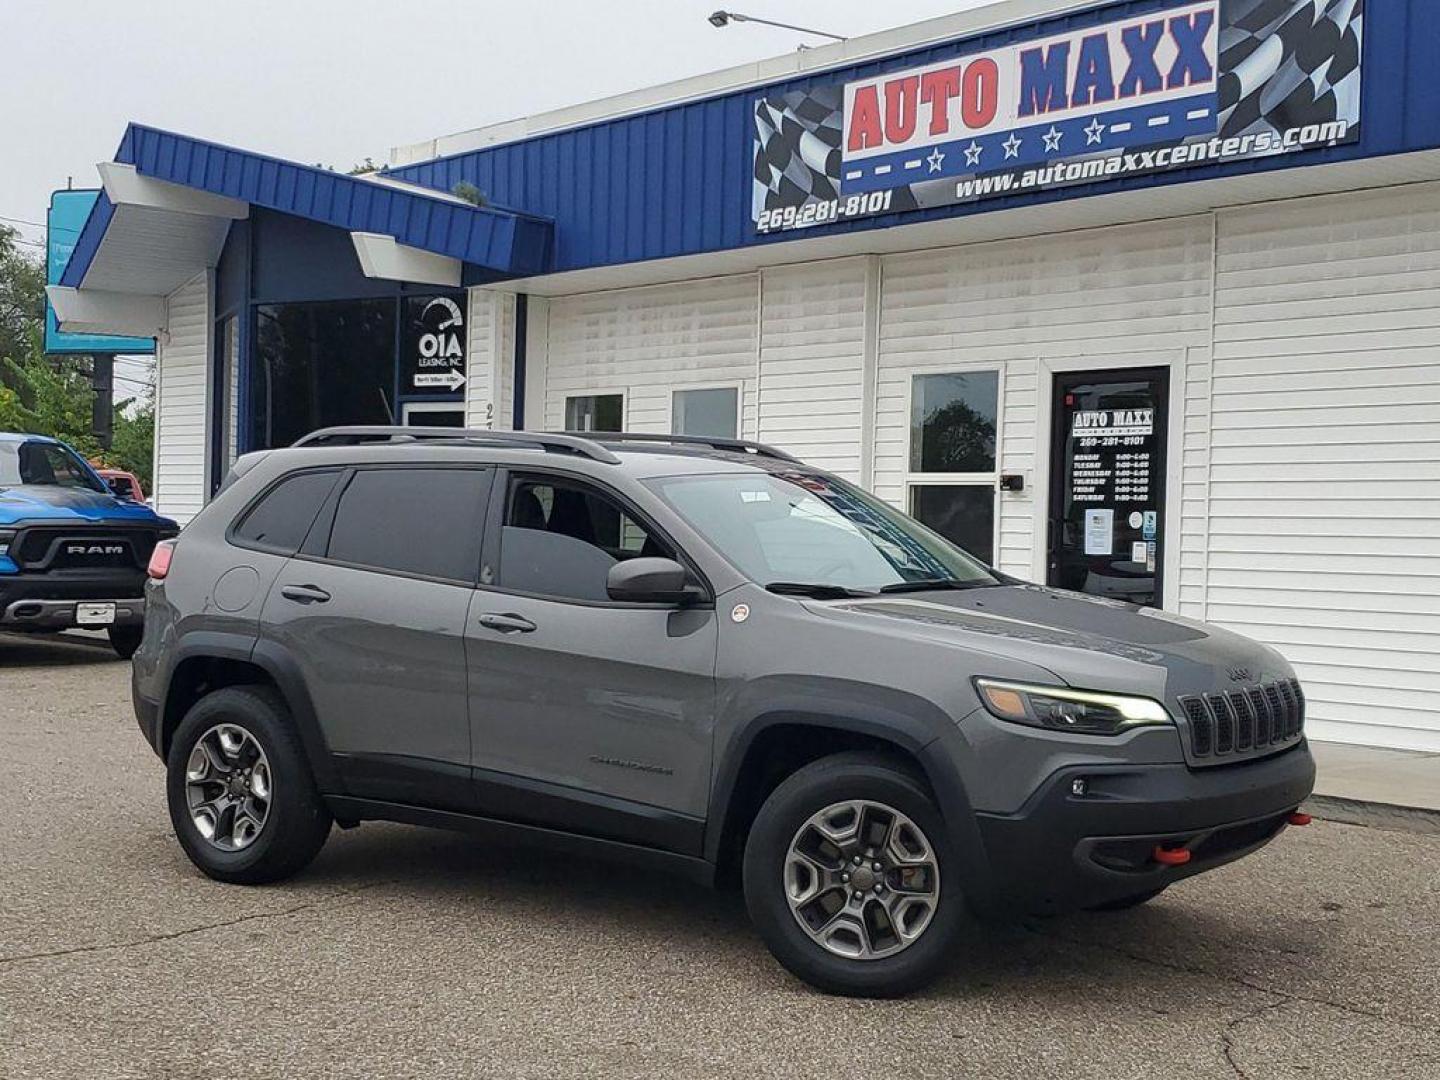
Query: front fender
x=912 y=724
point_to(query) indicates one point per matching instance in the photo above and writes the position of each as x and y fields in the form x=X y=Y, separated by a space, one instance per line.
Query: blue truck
x=73 y=554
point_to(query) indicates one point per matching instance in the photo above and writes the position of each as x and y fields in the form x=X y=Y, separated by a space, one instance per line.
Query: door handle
x=507 y=624
x=305 y=594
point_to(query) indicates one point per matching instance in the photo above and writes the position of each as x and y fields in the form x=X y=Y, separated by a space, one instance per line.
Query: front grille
x=1239 y=723
x=43 y=547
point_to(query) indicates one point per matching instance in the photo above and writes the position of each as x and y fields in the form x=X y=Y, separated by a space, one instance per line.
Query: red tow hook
x=1298 y=818
x=1177 y=856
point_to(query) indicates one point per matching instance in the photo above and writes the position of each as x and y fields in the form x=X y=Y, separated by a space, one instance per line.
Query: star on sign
x=1095 y=132
x=972 y=153
x=936 y=159
x=1012 y=146
x=1052 y=138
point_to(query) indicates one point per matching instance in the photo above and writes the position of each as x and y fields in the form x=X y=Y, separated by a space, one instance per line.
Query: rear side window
x=282 y=518
x=412 y=521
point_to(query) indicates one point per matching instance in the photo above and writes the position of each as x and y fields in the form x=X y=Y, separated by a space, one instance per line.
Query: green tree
x=52 y=395
x=133 y=447
x=22 y=298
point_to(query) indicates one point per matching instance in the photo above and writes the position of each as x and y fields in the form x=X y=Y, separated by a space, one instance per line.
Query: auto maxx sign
x=1186 y=85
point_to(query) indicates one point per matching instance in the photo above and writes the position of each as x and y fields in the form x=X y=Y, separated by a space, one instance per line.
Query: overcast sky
x=333 y=81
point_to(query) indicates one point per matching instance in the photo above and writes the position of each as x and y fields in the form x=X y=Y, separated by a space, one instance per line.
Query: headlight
x=1058 y=709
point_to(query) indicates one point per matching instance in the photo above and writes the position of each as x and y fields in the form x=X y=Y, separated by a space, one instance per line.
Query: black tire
x=125 y=640
x=1125 y=903
x=810 y=790
x=297 y=822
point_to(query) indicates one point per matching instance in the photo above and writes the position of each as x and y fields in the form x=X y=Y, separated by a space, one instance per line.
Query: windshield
x=798 y=529
x=44 y=463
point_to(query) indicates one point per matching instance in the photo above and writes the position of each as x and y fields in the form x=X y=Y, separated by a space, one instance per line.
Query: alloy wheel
x=228 y=787
x=862 y=880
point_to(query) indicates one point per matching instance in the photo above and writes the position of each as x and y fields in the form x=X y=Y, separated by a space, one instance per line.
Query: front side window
x=425 y=522
x=562 y=539
x=595 y=412
x=47 y=465
x=954 y=425
x=798 y=529
x=711 y=412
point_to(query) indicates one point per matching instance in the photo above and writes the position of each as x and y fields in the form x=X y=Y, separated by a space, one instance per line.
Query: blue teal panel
x=677 y=180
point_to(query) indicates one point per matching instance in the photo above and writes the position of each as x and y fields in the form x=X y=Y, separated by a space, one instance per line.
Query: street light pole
x=725 y=18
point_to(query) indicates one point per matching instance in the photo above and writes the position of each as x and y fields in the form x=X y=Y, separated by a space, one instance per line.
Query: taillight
x=160 y=560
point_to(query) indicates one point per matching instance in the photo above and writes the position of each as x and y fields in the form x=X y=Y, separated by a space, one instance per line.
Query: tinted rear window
x=283 y=517
x=412 y=521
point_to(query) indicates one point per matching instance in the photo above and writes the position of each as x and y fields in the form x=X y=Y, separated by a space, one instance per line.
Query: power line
x=21 y=221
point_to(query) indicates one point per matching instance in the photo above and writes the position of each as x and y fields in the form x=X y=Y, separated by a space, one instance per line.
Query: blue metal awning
x=497 y=243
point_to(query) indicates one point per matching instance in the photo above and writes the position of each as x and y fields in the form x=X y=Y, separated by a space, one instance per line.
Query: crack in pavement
x=1237 y=980
x=1227 y=1034
x=189 y=931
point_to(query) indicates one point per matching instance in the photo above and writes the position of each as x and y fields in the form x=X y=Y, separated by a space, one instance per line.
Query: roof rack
x=734 y=446
x=555 y=444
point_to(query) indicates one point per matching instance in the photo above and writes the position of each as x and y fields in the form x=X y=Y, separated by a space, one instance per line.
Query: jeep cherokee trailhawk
x=702 y=654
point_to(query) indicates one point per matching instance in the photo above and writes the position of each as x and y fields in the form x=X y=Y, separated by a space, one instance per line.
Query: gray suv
x=701 y=655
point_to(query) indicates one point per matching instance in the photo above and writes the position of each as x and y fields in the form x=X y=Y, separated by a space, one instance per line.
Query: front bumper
x=1064 y=851
x=45 y=603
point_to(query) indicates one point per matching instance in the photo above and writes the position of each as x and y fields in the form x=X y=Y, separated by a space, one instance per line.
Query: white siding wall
x=182 y=377
x=644 y=342
x=1324 y=472
x=812 y=350
x=480 y=361
x=1139 y=293
x=490 y=366
x=1303 y=340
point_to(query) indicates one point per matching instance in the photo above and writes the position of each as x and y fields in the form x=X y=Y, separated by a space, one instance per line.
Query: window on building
x=319 y=365
x=561 y=540
x=595 y=412
x=954 y=422
x=412 y=521
x=282 y=519
x=712 y=412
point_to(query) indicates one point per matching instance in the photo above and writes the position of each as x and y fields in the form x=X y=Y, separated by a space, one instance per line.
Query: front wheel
x=242 y=799
x=850 y=879
x=125 y=640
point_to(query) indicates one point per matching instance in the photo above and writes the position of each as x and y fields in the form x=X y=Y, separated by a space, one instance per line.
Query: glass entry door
x=1107 y=483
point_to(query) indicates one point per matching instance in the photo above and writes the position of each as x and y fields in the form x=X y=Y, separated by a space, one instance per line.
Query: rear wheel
x=125 y=640
x=850 y=880
x=242 y=799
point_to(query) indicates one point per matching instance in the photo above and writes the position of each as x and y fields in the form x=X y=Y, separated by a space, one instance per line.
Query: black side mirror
x=649 y=581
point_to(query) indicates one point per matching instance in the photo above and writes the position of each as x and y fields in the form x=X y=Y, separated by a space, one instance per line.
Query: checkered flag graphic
x=797 y=147
x=1289 y=64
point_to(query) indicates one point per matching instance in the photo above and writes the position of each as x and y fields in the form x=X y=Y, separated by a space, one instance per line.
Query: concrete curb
x=1374 y=815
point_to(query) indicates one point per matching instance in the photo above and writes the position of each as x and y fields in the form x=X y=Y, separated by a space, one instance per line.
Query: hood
x=1087 y=642
x=51 y=502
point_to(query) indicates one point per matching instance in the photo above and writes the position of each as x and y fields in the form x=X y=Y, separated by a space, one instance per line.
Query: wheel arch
x=206 y=662
x=819 y=721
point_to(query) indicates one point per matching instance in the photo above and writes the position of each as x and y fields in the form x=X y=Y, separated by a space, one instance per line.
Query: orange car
x=122 y=483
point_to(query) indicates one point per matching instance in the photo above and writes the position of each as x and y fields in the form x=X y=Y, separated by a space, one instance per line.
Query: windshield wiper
x=815 y=590
x=932 y=584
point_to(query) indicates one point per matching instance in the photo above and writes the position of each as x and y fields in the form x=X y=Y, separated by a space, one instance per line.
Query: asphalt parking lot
x=404 y=952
